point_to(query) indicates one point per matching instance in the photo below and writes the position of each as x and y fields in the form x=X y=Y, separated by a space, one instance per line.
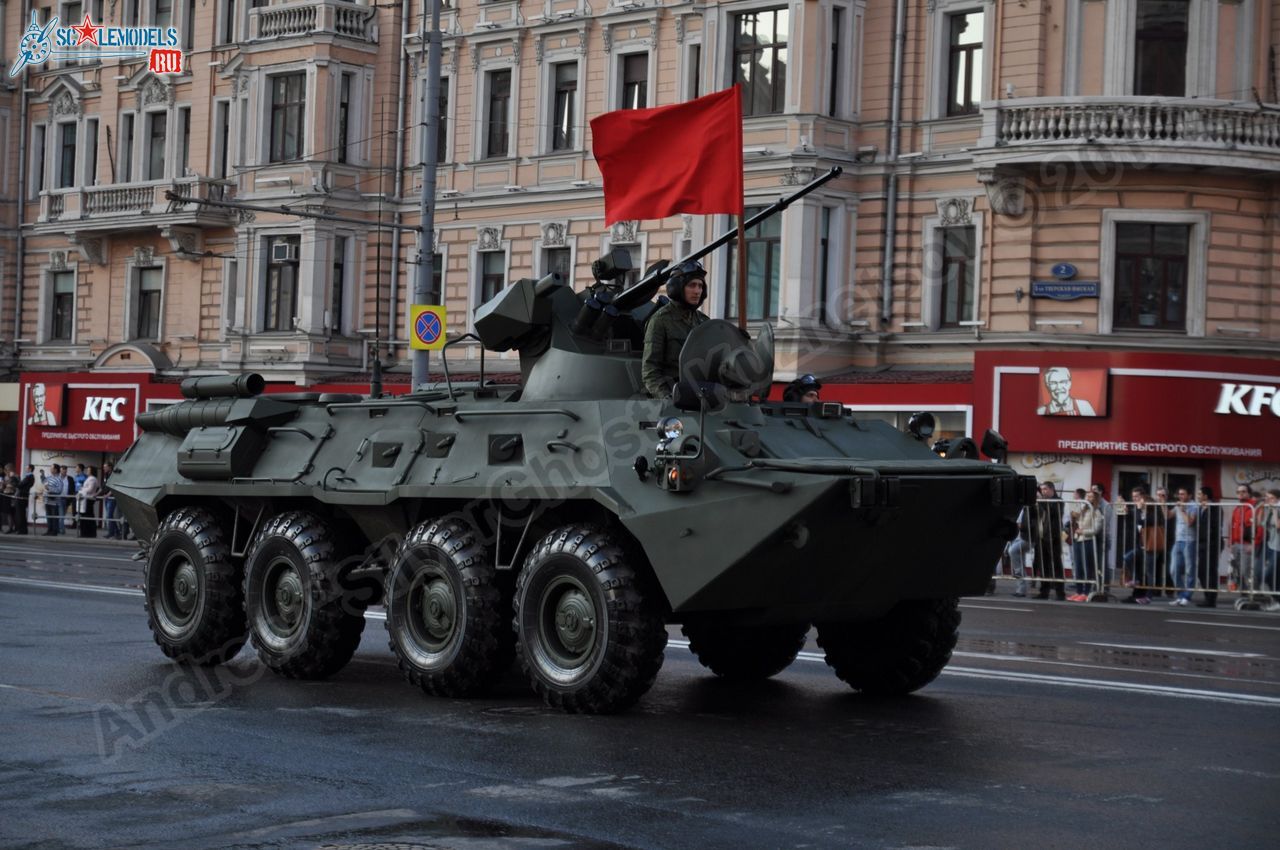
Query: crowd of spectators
x=62 y=499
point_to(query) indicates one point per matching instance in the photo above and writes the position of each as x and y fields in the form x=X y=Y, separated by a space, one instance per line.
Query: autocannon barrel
x=223 y=386
x=178 y=419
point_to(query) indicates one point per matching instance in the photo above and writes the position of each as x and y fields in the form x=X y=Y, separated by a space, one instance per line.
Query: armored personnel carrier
x=564 y=521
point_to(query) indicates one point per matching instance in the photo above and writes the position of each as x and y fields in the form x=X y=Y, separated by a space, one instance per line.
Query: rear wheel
x=589 y=628
x=194 y=598
x=448 y=618
x=745 y=653
x=299 y=621
x=898 y=653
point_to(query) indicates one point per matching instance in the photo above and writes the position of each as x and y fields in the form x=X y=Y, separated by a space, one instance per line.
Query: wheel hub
x=569 y=622
x=180 y=596
x=284 y=599
x=438 y=611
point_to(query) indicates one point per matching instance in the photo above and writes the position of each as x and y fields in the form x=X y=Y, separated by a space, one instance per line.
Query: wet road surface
x=1057 y=724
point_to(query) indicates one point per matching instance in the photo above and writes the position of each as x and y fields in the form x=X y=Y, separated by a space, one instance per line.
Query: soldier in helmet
x=803 y=389
x=668 y=328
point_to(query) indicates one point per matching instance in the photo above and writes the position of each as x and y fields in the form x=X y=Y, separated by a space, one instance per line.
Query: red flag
x=685 y=158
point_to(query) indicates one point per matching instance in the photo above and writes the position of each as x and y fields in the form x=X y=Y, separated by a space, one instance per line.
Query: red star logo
x=87 y=31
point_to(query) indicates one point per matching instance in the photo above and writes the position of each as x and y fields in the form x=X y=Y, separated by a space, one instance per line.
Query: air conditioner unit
x=283 y=252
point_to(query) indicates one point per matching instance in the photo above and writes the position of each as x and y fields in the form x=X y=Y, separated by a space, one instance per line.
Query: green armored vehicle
x=564 y=521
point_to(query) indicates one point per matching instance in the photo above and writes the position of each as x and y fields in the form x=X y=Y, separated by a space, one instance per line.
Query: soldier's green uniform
x=664 y=336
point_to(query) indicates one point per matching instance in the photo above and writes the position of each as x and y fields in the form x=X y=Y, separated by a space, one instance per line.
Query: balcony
x=1130 y=130
x=132 y=206
x=305 y=20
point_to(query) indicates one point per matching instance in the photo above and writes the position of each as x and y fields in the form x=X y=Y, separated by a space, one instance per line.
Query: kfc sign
x=1248 y=400
x=100 y=409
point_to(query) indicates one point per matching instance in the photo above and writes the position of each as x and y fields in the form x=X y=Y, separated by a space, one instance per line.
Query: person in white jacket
x=87 y=502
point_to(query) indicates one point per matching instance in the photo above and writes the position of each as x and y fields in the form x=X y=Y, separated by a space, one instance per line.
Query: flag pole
x=742 y=271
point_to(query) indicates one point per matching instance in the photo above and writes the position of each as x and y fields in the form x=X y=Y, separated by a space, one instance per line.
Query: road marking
x=48 y=555
x=1225 y=625
x=994 y=608
x=1223 y=653
x=1105 y=685
x=61 y=585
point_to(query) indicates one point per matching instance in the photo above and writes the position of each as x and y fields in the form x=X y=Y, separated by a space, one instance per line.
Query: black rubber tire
x=898 y=653
x=448 y=619
x=193 y=592
x=300 y=624
x=745 y=653
x=589 y=627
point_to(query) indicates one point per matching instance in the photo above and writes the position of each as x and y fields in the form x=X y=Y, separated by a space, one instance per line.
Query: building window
x=635 y=81
x=157 y=135
x=497 y=115
x=442 y=127
x=958 y=290
x=72 y=14
x=222 y=138
x=760 y=60
x=184 y=125
x=492 y=273
x=64 y=300
x=126 y=148
x=1151 y=276
x=67 y=155
x=37 y=159
x=1160 y=55
x=764 y=267
x=964 y=63
x=338 y=291
x=435 y=295
x=162 y=16
x=557 y=260
x=288 y=108
x=131 y=16
x=344 y=114
x=150 y=282
x=91 y=152
x=562 y=111
x=282 y=282
x=824 y=262
x=189 y=26
x=837 y=23
x=227 y=25
x=693 y=71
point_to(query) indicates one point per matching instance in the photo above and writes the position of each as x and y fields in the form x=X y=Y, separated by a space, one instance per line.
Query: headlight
x=921 y=425
x=669 y=429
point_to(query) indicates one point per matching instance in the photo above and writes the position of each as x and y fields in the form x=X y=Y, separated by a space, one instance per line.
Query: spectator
x=1148 y=541
x=1074 y=540
x=1017 y=552
x=1107 y=546
x=1047 y=540
x=1162 y=561
x=1269 y=529
x=1244 y=545
x=109 y=505
x=1182 y=564
x=1090 y=529
x=9 y=499
x=86 y=497
x=1208 y=545
x=25 y=485
x=53 y=487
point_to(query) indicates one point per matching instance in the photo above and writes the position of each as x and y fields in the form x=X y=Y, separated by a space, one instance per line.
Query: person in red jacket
x=1244 y=543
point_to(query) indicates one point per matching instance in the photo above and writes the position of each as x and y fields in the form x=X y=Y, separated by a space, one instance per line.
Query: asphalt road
x=1057 y=725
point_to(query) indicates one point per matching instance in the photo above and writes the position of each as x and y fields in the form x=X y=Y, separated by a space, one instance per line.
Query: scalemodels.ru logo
x=41 y=43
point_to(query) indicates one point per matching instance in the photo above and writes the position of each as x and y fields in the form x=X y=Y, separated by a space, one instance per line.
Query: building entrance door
x=1154 y=478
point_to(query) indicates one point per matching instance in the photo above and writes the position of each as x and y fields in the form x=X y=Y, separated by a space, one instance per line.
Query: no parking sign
x=427 y=324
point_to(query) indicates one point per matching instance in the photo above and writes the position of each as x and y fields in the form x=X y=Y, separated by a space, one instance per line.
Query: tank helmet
x=796 y=390
x=681 y=275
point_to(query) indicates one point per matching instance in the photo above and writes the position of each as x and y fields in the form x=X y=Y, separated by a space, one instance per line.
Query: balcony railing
x=1188 y=125
x=125 y=202
x=303 y=19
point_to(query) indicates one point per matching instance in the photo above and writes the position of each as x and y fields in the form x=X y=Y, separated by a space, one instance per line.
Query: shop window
x=957 y=277
x=635 y=81
x=764 y=269
x=760 y=59
x=149 y=293
x=281 y=301
x=493 y=270
x=497 y=113
x=563 y=105
x=1151 y=276
x=964 y=62
x=62 y=307
x=288 y=110
x=1160 y=48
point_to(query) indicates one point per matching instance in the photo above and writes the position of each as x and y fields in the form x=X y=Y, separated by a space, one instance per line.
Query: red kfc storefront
x=84 y=417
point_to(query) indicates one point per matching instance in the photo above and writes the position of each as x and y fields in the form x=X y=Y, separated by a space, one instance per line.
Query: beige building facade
x=1137 y=141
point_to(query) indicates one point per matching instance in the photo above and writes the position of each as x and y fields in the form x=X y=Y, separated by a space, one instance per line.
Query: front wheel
x=589 y=628
x=194 y=600
x=299 y=621
x=745 y=653
x=898 y=653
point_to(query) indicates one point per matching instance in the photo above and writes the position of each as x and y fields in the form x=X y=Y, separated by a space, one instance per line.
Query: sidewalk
x=65 y=538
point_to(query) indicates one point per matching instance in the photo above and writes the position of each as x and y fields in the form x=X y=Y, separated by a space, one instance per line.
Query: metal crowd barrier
x=1063 y=547
x=103 y=512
